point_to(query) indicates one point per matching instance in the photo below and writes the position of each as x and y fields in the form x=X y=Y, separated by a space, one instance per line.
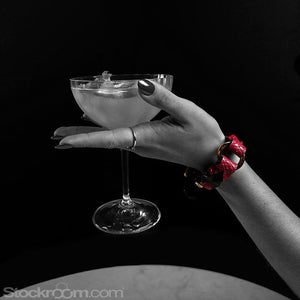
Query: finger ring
x=132 y=147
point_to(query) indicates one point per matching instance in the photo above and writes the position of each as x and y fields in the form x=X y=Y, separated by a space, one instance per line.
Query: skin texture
x=189 y=136
x=173 y=138
x=273 y=227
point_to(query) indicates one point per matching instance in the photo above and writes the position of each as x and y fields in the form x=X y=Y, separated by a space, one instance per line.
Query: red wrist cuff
x=236 y=146
x=223 y=168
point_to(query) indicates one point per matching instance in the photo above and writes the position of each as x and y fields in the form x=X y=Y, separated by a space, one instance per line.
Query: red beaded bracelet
x=223 y=168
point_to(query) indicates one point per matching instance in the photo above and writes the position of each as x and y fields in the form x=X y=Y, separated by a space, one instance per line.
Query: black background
x=236 y=59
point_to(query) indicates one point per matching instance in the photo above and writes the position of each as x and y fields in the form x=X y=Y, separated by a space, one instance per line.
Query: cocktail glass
x=113 y=101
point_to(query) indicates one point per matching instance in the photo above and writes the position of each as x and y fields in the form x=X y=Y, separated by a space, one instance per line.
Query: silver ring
x=132 y=147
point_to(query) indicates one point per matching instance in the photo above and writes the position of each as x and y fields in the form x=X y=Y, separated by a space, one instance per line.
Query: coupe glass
x=113 y=101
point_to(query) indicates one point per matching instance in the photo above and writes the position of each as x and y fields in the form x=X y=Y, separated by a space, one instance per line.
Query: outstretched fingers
x=117 y=138
x=64 y=131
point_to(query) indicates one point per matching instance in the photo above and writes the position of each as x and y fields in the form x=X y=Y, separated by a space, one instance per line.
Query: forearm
x=274 y=228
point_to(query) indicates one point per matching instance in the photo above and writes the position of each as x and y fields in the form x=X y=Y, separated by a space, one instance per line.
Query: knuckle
x=112 y=140
x=85 y=139
x=191 y=105
x=110 y=145
x=162 y=98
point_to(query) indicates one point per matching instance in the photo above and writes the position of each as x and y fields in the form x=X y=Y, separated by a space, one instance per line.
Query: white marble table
x=147 y=282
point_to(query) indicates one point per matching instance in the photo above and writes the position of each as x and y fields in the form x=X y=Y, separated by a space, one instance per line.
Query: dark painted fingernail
x=56 y=137
x=146 y=87
x=63 y=146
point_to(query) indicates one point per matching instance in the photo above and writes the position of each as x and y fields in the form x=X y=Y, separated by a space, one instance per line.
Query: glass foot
x=112 y=217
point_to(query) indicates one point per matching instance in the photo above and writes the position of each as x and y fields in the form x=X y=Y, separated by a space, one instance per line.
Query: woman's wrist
x=229 y=185
x=229 y=157
x=209 y=154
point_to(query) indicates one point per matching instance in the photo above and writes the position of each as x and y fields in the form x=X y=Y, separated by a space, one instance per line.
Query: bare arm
x=271 y=224
x=274 y=228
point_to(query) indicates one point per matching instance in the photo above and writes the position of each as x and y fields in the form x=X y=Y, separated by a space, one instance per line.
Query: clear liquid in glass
x=114 y=108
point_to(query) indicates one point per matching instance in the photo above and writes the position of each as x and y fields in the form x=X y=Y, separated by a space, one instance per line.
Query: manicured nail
x=56 y=137
x=63 y=146
x=146 y=87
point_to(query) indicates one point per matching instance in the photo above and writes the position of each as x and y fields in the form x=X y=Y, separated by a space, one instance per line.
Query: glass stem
x=126 y=200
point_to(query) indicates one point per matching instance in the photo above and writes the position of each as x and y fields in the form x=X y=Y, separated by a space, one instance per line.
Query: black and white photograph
x=150 y=150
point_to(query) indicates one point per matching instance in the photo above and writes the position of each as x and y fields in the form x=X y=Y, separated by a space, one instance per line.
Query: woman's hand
x=188 y=136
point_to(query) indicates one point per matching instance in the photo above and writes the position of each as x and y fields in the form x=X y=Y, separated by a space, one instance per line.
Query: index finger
x=157 y=95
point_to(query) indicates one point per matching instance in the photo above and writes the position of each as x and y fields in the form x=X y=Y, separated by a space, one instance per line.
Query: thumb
x=157 y=95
